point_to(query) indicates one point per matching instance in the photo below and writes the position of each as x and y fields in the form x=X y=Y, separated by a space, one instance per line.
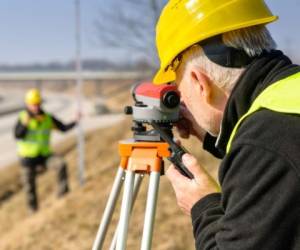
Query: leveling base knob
x=128 y=110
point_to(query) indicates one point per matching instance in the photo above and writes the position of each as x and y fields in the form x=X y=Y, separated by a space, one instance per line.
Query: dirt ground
x=71 y=223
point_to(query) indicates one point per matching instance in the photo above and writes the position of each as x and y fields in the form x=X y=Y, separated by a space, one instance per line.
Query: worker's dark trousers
x=32 y=167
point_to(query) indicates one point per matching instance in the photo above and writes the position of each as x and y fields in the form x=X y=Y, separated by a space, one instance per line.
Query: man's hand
x=187 y=125
x=188 y=191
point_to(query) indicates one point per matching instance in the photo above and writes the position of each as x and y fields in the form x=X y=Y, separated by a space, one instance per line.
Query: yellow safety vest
x=37 y=139
x=282 y=96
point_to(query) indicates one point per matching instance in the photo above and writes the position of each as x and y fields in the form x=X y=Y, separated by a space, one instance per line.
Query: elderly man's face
x=197 y=93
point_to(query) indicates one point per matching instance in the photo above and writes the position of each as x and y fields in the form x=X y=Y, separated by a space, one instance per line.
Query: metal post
x=125 y=210
x=137 y=183
x=79 y=81
x=150 y=211
x=38 y=84
x=109 y=209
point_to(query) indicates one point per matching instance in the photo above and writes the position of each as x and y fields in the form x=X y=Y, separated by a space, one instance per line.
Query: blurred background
x=84 y=56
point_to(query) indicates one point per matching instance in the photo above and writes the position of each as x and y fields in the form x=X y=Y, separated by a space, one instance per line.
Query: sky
x=44 y=30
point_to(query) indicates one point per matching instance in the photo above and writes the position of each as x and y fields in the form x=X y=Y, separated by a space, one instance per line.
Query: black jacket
x=259 y=207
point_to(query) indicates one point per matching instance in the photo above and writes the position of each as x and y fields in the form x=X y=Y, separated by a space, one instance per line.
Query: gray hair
x=253 y=40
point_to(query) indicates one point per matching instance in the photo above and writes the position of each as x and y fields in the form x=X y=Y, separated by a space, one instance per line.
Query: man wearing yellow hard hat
x=241 y=99
x=33 y=133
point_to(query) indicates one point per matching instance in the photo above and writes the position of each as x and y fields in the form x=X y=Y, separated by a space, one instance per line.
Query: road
x=64 y=108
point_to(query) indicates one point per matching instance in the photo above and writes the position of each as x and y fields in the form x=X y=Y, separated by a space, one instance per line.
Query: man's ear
x=201 y=84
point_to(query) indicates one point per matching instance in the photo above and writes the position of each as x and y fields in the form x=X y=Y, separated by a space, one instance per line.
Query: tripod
x=137 y=159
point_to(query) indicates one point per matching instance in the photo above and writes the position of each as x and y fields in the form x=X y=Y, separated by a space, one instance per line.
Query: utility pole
x=79 y=82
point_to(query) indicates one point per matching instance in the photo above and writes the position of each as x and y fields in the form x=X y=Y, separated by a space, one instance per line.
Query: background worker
x=33 y=133
x=241 y=99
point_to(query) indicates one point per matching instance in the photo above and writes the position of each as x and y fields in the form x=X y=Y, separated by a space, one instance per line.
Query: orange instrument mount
x=137 y=158
x=143 y=157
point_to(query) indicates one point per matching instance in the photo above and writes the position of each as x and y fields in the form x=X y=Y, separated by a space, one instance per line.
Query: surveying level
x=157 y=106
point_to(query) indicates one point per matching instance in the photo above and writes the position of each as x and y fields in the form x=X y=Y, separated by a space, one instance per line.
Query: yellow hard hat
x=186 y=22
x=33 y=97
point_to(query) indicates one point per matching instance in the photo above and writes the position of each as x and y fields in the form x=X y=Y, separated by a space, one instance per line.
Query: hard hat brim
x=164 y=75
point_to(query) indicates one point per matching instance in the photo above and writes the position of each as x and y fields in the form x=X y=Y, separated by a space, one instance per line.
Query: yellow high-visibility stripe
x=282 y=96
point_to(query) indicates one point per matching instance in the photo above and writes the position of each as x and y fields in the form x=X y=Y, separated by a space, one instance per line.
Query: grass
x=71 y=223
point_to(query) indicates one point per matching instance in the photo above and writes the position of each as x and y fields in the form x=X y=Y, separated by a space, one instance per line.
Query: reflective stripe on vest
x=282 y=96
x=37 y=139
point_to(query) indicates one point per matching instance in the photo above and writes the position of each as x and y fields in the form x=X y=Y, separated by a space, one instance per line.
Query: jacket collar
x=268 y=68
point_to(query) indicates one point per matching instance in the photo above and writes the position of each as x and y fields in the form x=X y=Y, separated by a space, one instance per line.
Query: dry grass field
x=71 y=223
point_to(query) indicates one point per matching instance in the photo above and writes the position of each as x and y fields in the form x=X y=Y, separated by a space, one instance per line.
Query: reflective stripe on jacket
x=37 y=139
x=282 y=96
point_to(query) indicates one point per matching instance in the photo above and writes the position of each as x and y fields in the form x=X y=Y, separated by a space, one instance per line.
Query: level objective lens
x=171 y=99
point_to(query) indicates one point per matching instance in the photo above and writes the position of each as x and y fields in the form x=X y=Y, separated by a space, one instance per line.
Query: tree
x=130 y=25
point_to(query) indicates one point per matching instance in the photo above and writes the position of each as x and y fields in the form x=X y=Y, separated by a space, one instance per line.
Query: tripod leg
x=150 y=210
x=137 y=183
x=125 y=210
x=109 y=209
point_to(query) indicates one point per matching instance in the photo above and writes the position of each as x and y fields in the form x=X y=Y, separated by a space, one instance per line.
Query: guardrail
x=86 y=75
x=8 y=108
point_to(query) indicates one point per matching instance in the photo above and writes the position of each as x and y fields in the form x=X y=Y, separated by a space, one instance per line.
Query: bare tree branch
x=130 y=25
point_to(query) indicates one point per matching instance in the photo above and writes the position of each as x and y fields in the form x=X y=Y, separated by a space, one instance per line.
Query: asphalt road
x=63 y=106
